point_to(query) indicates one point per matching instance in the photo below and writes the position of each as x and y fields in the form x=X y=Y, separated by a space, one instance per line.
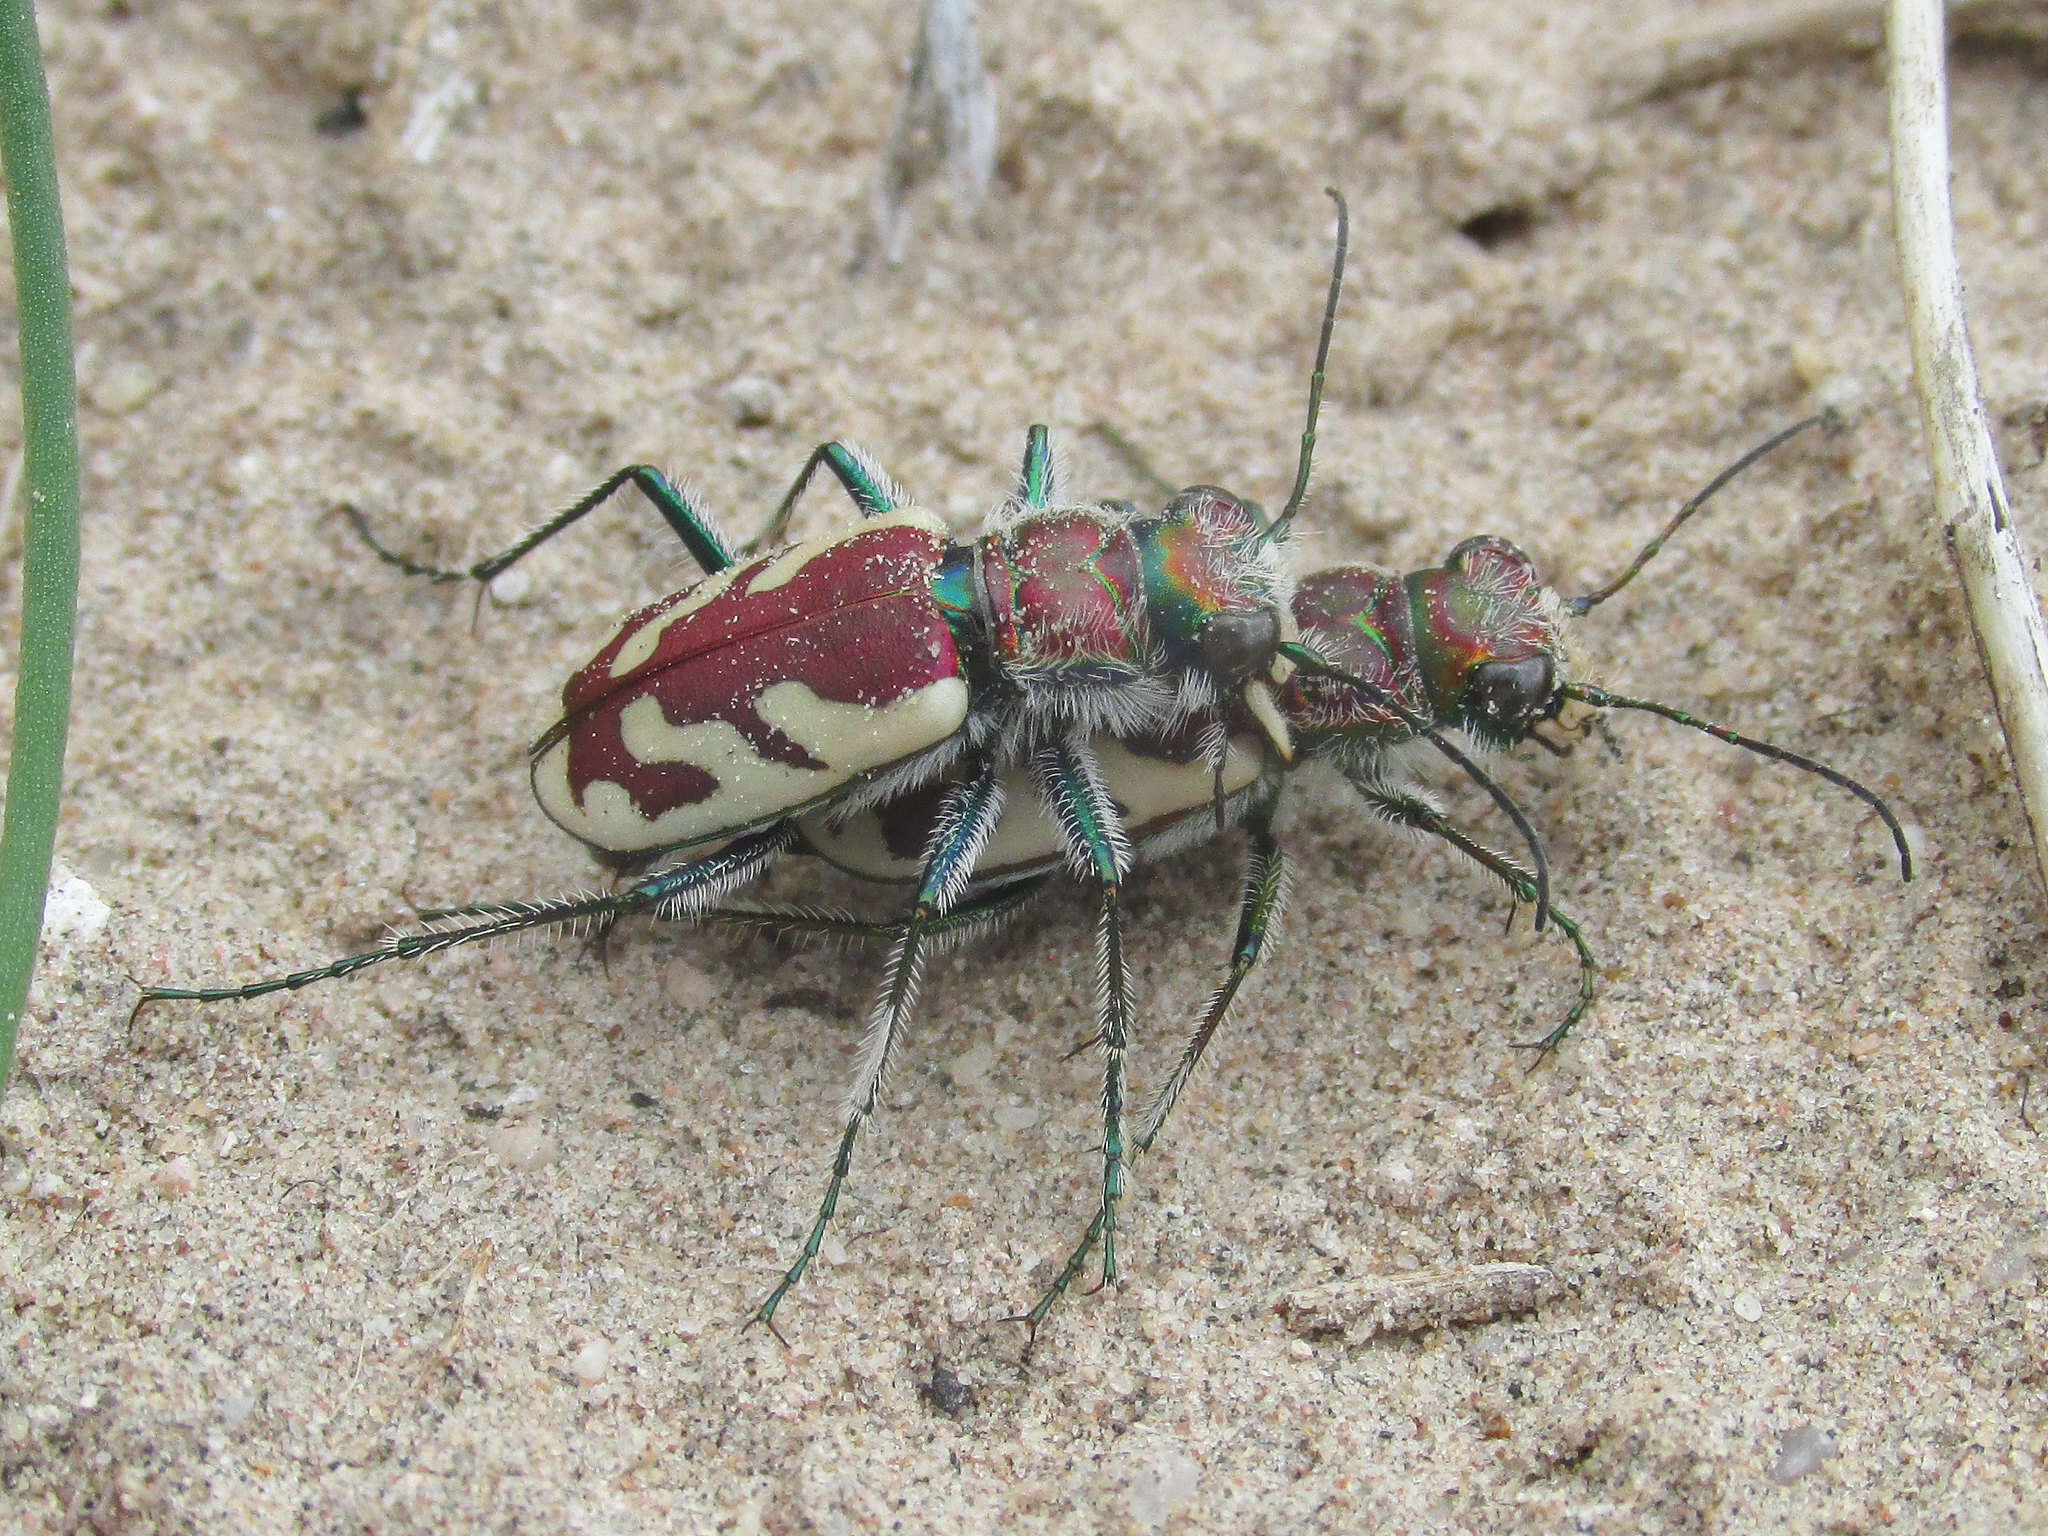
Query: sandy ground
x=466 y=1244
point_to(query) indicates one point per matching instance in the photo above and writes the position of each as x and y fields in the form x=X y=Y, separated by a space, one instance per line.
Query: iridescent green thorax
x=1202 y=557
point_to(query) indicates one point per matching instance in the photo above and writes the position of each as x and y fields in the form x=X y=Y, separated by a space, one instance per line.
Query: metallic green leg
x=966 y=820
x=1411 y=811
x=1265 y=886
x=1036 y=483
x=672 y=893
x=870 y=487
x=705 y=544
x=1072 y=786
x=1265 y=889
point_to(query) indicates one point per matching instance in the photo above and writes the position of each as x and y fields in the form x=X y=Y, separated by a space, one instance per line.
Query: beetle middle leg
x=1092 y=830
x=1037 y=476
x=966 y=818
x=874 y=492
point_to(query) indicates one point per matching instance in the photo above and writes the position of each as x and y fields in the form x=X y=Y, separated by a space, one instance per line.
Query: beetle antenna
x=1600 y=698
x=1577 y=607
x=1278 y=528
x=1309 y=662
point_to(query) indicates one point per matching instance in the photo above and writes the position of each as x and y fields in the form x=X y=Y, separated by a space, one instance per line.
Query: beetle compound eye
x=1505 y=696
x=1238 y=644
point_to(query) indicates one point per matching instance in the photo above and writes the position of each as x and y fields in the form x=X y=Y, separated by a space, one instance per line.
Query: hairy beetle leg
x=671 y=893
x=700 y=537
x=966 y=819
x=1091 y=828
x=1265 y=892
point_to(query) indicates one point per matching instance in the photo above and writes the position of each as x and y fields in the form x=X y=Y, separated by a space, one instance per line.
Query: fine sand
x=466 y=1243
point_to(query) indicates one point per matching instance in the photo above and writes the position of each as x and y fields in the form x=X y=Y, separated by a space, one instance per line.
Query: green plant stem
x=49 y=577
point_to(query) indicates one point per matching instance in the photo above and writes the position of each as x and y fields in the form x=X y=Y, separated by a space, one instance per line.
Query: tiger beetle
x=1080 y=685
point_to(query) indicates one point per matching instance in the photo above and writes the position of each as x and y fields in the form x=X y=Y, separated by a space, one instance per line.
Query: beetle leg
x=669 y=893
x=1405 y=808
x=866 y=482
x=1037 y=479
x=705 y=543
x=966 y=819
x=968 y=921
x=1071 y=783
x=1265 y=890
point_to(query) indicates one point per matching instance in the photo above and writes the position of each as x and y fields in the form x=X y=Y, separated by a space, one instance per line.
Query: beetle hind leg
x=966 y=819
x=671 y=892
x=864 y=481
x=707 y=546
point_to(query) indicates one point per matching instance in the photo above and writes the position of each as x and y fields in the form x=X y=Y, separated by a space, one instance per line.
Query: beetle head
x=1489 y=642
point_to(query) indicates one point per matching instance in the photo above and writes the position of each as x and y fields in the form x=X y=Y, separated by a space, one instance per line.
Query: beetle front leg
x=705 y=543
x=1070 y=782
x=966 y=819
x=1405 y=808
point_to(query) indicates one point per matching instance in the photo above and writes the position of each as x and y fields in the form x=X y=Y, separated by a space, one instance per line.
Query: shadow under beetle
x=1082 y=685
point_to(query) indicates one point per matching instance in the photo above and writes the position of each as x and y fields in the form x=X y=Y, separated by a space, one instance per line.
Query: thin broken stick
x=1969 y=492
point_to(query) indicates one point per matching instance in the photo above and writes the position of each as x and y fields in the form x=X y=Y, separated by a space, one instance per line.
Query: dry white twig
x=1969 y=493
x=948 y=113
x=1721 y=40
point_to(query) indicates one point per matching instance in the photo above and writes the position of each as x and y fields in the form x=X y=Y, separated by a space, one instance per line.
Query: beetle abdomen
x=1158 y=784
